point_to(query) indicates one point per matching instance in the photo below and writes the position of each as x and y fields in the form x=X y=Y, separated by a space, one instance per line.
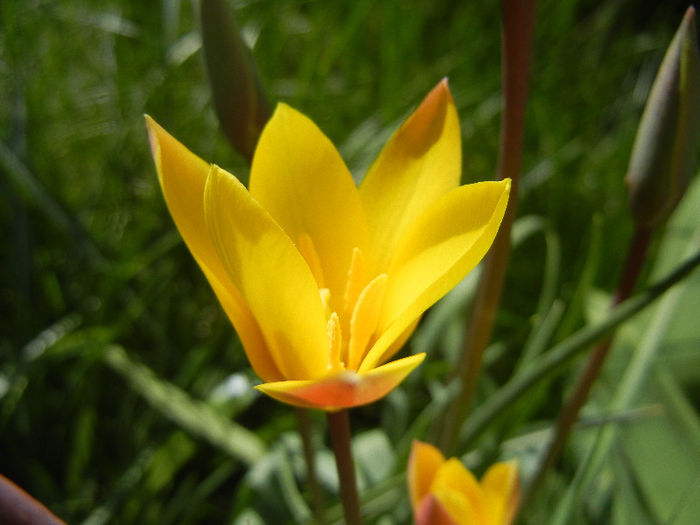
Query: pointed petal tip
x=688 y=21
x=444 y=84
x=281 y=108
x=154 y=129
x=440 y=91
x=425 y=126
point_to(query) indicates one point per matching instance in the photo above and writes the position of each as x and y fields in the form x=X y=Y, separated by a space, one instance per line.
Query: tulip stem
x=518 y=21
x=339 y=427
x=308 y=446
x=567 y=417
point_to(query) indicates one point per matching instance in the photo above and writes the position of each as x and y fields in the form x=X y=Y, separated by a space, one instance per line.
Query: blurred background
x=90 y=257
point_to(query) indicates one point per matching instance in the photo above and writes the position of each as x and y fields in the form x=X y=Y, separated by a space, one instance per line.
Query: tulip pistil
x=352 y=331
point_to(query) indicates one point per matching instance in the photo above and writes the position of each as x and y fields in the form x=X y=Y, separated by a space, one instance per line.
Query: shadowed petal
x=438 y=250
x=182 y=176
x=271 y=275
x=345 y=389
x=421 y=162
x=300 y=179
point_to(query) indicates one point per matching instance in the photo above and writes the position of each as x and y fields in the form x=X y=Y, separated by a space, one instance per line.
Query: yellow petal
x=299 y=178
x=271 y=275
x=457 y=506
x=439 y=249
x=182 y=176
x=248 y=330
x=345 y=389
x=423 y=463
x=431 y=511
x=459 y=491
x=501 y=489
x=421 y=162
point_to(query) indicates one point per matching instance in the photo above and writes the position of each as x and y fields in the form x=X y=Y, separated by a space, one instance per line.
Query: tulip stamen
x=335 y=342
x=307 y=249
x=365 y=319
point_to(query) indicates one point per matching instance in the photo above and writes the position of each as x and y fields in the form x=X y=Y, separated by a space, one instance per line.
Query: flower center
x=351 y=330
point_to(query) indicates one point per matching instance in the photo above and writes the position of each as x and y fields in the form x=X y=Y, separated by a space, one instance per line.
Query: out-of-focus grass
x=91 y=257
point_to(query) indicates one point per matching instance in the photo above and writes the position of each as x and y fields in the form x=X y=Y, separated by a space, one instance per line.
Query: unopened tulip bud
x=239 y=99
x=667 y=138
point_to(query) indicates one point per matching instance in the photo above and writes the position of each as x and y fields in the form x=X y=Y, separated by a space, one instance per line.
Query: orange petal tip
x=344 y=389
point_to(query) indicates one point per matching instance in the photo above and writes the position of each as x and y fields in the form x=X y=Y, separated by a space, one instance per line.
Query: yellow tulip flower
x=444 y=492
x=322 y=280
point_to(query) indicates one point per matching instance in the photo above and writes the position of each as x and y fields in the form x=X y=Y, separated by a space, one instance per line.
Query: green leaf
x=196 y=417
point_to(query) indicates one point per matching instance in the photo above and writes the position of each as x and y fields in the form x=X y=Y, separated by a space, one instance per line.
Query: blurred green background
x=90 y=257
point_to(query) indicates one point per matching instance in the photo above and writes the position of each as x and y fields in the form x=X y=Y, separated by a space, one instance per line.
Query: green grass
x=91 y=260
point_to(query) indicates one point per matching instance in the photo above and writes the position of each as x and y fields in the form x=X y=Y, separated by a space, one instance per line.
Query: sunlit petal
x=457 y=506
x=248 y=331
x=501 y=491
x=300 y=179
x=182 y=176
x=439 y=249
x=345 y=389
x=423 y=463
x=271 y=275
x=421 y=162
x=459 y=491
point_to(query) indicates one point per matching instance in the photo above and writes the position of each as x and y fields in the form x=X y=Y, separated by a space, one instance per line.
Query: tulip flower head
x=322 y=280
x=444 y=492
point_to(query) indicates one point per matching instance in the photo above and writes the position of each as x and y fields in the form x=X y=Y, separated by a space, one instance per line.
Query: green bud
x=239 y=99
x=666 y=144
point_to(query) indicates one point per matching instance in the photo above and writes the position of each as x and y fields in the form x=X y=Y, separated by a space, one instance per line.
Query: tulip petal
x=345 y=389
x=423 y=463
x=431 y=511
x=459 y=491
x=182 y=176
x=247 y=328
x=501 y=490
x=300 y=179
x=271 y=275
x=457 y=506
x=421 y=162
x=439 y=249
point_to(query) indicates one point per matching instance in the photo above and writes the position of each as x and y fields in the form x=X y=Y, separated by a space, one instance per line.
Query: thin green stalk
x=562 y=352
x=569 y=413
x=635 y=376
x=518 y=21
x=308 y=446
x=339 y=427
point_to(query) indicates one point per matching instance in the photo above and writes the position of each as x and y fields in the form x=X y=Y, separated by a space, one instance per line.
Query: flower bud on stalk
x=667 y=137
x=239 y=99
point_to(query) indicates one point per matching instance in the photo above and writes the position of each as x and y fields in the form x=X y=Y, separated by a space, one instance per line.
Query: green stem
x=339 y=427
x=562 y=352
x=518 y=22
x=569 y=413
x=308 y=446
